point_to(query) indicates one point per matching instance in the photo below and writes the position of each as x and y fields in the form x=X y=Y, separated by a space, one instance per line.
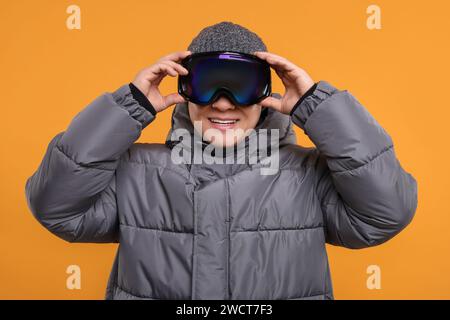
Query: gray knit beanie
x=226 y=36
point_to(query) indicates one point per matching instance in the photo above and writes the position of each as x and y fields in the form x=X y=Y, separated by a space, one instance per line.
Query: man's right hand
x=148 y=80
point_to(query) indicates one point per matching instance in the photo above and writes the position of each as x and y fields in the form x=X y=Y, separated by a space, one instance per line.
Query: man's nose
x=222 y=104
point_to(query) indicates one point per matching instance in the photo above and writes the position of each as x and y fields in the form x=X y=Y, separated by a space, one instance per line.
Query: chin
x=223 y=142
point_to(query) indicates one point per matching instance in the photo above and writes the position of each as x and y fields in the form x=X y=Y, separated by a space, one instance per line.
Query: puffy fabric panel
x=212 y=231
x=155 y=264
x=278 y=264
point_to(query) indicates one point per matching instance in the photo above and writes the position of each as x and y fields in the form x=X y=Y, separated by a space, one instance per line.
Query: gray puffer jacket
x=211 y=231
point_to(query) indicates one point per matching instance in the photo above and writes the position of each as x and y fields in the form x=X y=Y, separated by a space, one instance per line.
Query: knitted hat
x=226 y=36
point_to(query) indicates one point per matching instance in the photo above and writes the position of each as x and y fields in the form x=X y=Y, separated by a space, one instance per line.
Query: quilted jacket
x=223 y=231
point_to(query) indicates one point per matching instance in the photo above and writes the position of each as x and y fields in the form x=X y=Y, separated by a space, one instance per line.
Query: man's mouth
x=222 y=124
x=223 y=121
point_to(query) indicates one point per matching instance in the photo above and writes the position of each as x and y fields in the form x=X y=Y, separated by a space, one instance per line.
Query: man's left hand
x=296 y=82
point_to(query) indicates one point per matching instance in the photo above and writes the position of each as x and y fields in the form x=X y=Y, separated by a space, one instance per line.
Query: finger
x=182 y=55
x=171 y=71
x=286 y=70
x=156 y=72
x=171 y=57
x=177 y=56
x=271 y=102
x=173 y=98
x=270 y=54
x=164 y=67
x=283 y=77
x=178 y=67
x=159 y=71
x=276 y=61
x=156 y=81
x=280 y=64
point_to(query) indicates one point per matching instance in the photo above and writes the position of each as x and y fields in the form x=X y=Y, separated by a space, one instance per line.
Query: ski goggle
x=243 y=78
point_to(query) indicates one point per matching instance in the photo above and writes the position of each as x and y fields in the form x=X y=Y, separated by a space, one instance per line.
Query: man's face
x=224 y=116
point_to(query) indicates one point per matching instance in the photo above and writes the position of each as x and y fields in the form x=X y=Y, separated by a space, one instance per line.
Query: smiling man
x=223 y=231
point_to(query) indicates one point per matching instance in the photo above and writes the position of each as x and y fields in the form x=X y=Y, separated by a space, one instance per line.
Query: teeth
x=223 y=121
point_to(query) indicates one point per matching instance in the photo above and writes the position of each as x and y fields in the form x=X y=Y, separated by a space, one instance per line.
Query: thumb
x=173 y=98
x=271 y=102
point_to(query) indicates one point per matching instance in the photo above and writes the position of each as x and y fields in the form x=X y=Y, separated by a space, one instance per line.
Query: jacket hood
x=273 y=120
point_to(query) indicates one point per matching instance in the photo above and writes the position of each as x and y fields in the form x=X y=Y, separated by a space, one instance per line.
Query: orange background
x=399 y=73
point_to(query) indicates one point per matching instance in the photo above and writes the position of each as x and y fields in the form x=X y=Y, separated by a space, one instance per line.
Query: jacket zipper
x=194 y=243
x=228 y=227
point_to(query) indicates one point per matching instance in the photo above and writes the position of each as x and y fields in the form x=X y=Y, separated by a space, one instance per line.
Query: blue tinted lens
x=244 y=78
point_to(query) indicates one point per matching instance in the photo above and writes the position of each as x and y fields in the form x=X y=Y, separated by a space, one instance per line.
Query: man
x=223 y=231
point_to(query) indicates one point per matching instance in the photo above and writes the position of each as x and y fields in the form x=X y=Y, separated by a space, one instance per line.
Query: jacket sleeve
x=366 y=196
x=73 y=191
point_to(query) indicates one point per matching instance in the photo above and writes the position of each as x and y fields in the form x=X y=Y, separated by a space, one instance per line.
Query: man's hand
x=296 y=82
x=148 y=80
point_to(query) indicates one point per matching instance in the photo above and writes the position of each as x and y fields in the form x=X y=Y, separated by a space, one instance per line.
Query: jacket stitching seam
x=231 y=231
x=385 y=150
x=133 y=294
x=227 y=288
x=156 y=166
x=309 y=296
x=194 y=251
x=128 y=292
x=78 y=164
x=153 y=229
x=281 y=229
x=291 y=168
